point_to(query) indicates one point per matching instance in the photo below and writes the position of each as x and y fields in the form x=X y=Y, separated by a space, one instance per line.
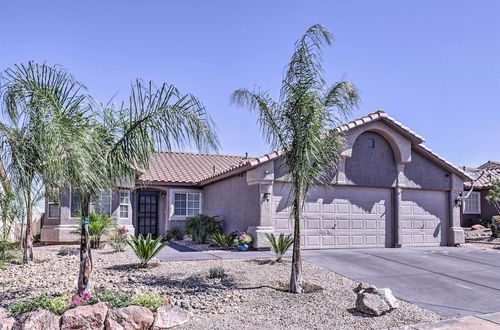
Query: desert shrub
x=217 y=272
x=57 y=305
x=100 y=224
x=146 y=248
x=68 y=251
x=280 y=246
x=151 y=301
x=202 y=226
x=5 y=248
x=224 y=240
x=173 y=234
x=118 y=240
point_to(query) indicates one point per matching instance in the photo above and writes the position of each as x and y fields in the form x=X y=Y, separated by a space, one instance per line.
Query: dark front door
x=147 y=217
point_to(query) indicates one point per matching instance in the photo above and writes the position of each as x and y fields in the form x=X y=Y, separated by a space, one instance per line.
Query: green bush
x=280 y=246
x=100 y=224
x=146 y=248
x=118 y=240
x=68 y=251
x=202 y=226
x=173 y=234
x=56 y=305
x=224 y=240
x=114 y=298
x=217 y=272
x=151 y=301
x=5 y=247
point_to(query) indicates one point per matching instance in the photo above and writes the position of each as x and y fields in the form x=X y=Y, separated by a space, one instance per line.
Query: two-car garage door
x=348 y=216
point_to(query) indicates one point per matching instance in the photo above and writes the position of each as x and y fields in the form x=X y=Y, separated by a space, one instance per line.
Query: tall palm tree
x=153 y=118
x=301 y=124
x=42 y=134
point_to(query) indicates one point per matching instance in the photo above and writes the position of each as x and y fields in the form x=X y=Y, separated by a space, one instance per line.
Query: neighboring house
x=389 y=190
x=476 y=206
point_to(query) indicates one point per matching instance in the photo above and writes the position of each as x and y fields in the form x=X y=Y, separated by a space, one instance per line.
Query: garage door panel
x=423 y=214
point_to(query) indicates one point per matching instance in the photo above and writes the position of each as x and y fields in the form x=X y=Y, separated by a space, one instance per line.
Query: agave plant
x=146 y=248
x=280 y=246
x=224 y=240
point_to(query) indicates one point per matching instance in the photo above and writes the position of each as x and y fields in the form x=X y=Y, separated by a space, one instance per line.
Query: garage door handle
x=334 y=226
x=423 y=226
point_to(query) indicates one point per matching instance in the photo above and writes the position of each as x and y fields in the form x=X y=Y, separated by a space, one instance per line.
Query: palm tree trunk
x=4 y=180
x=28 y=239
x=296 y=277
x=84 y=279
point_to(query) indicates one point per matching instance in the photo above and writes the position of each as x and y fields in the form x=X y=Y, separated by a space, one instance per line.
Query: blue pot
x=242 y=247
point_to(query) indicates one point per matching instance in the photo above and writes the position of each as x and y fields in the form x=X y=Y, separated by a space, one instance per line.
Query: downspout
x=460 y=198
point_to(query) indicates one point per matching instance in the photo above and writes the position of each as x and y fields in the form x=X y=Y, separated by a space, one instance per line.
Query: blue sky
x=433 y=65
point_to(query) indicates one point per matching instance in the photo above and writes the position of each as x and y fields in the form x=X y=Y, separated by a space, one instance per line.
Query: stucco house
x=476 y=206
x=389 y=190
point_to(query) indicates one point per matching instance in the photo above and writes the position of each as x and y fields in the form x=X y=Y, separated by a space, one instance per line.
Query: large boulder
x=373 y=301
x=168 y=317
x=129 y=318
x=40 y=319
x=6 y=321
x=85 y=317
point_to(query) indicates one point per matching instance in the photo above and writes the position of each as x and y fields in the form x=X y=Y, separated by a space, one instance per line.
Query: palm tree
x=153 y=118
x=43 y=135
x=301 y=125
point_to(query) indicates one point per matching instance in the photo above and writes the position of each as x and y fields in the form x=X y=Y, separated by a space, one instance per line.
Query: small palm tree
x=302 y=125
x=280 y=246
x=146 y=248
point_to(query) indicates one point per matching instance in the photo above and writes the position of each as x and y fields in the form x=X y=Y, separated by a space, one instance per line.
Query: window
x=53 y=208
x=472 y=204
x=371 y=143
x=103 y=203
x=76 y=204
x=186 y=204
x=124 y=203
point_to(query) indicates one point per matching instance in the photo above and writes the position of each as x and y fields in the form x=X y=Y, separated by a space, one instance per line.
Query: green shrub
x=146 y=248
x=201 y=226
x=217 y=272
x=114 y=298
x=173 y=234
x=100 y=224
x=224 y=240
x=5 y=247
x=151 y=301
x=118 y=240
x=56 y=305
x=68 y=251
x=280 y=246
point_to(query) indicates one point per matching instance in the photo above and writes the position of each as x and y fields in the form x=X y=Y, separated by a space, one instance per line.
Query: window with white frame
x=472 y=204
x=124 y=203
x=53 y=208
x=103 y=203
x=76 y=204
x=186 y=204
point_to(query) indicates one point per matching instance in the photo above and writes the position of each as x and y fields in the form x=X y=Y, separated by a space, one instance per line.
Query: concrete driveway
x=450 y=281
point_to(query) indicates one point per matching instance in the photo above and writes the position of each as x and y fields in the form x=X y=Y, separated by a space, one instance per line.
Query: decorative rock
x=168 y=317
x=38 y=319
x=388 y=297
x=6 y=322
x=477 y=227
x=365 y=287
x=372 y=304
x=128 y=318
x=85 y=317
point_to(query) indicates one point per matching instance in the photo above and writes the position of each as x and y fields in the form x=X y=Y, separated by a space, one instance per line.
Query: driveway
x=450 y=281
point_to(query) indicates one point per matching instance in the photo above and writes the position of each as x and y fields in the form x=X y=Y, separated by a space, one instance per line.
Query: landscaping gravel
x=492 y=247
x=252 y=296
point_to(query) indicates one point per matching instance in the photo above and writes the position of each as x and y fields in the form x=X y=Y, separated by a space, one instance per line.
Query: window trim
x=123 y=204
x=172 y=202
x=49 y=202
x=71 y=204
x=478 y=211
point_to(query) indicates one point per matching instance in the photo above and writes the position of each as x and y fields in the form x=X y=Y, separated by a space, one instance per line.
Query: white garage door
x=423 y=217
x=339 y=218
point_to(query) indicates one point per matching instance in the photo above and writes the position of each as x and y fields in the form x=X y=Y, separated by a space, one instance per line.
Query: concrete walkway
x=176 y=252
x=483 y=322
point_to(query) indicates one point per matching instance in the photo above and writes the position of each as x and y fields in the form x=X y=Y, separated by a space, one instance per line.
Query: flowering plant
x=82 y=299
x=243 y=238
x=119 y=239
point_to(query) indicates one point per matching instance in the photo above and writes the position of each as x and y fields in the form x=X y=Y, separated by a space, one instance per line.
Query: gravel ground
x=482 y=246
x=251 y=297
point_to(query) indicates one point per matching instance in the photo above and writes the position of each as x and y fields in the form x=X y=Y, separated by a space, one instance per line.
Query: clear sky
x=434 y=65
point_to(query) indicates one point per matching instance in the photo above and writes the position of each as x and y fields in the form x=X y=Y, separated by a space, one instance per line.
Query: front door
x=147 y=217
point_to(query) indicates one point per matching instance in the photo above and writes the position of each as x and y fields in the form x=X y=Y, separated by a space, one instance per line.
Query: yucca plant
x=280 y=246
x=146 y=248
x=224 y=240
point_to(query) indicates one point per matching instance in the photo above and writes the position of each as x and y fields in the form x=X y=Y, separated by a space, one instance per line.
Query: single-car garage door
x=340 y=218
x=423 y=218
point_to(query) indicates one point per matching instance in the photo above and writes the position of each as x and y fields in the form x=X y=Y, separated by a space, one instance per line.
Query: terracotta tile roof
x=484 y=174
x=193 y=168
x=186 y=167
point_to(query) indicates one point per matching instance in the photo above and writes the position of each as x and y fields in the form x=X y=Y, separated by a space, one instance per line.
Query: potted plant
x=243 y=241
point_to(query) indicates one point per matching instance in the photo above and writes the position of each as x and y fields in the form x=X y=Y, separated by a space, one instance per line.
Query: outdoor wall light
x=267 y=196
x=163 y=194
